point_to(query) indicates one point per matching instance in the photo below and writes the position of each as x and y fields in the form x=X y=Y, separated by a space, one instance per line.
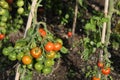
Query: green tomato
x=40 y=59
x=3 y=18
x=20 y=3
x=2 y=11
x=47 y=70
x=20 y=21
x=5 y=51
x=30 y=66
x=6 y=6
x=2 y=24
x=19 y=56
x=12 y=56
x=38 y=66
x=18 y=26
x=20 y=10
x=3 y=30
x=49 y=62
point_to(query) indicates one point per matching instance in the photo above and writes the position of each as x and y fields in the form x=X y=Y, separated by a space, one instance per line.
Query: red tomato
x=57 y=46
x=42 y=32
x=2 y=36
x=106 y=71
x=69 y=34
x=100 y=64
x=49 y=46
x=36 y=52
x=95 y=78
x=9 y=1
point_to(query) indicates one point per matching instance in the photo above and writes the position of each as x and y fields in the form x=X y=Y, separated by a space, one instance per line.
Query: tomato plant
x=26 y=60
x=36 y=52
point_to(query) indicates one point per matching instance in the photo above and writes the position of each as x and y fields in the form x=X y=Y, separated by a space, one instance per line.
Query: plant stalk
x=106 y=5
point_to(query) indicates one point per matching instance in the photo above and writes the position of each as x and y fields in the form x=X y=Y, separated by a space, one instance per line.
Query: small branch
x=31 y=15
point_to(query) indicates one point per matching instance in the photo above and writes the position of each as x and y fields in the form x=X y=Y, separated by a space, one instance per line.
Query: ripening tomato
x=100 y=64
x=26 y=60
x=106 y=71
x=95 y=78
x=59 y=40
x=51 y=55
x=49 y=46
x=36 y=52
x=2 y=36
x=57 y=46
x=69 y=34
x=42 y=32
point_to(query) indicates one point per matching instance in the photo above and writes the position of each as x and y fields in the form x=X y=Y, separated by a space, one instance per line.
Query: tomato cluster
x=38 y=51
x=105 y=70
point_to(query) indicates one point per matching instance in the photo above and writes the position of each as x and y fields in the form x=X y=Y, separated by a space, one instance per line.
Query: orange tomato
x=95 y=78
x=36 y=52
x=57 y=46
x=49 y=46
x=26 y=60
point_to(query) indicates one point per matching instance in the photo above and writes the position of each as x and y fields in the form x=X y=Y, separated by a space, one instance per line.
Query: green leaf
x=80 y=2
x=64 y=50
x=90 y=27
